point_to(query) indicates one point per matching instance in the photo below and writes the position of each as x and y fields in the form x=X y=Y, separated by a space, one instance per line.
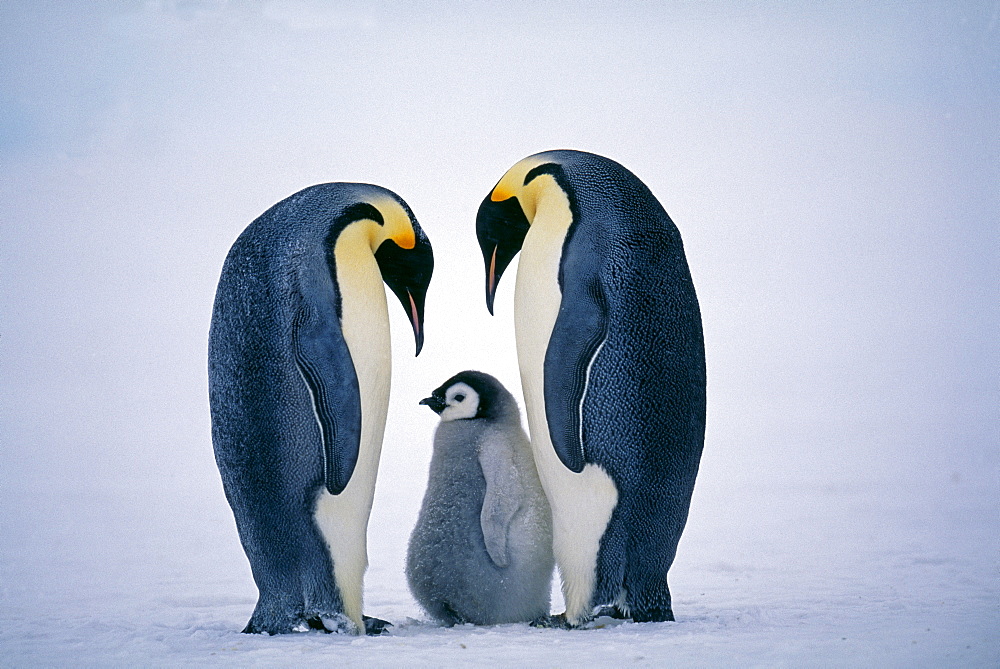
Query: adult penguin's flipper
x=576 y=341
x=324 y=361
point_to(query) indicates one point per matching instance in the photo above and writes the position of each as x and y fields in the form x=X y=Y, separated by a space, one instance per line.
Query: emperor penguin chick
x=481 y=551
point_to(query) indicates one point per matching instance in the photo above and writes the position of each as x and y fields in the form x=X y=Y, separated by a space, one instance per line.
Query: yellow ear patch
x=397 y=225
x=529 y=197
x=501 y=192
x=513 y=181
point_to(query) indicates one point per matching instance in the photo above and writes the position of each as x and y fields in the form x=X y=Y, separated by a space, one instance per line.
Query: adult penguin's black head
x=404 y=256
x=501 y=227
x=407 y=272
x=505 y=216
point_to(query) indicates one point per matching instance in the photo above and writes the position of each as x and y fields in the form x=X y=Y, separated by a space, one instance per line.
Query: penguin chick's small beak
x=435 y=403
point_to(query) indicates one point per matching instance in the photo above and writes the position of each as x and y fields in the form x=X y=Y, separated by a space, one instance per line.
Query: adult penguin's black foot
x=557 y=621
x=611 y=612
x=375 y=626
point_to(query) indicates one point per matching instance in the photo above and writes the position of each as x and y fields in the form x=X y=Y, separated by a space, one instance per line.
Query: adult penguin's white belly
x=581 y=503
x=343 y=519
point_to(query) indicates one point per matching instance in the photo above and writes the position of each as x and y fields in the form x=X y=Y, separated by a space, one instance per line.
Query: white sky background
x=834 y=173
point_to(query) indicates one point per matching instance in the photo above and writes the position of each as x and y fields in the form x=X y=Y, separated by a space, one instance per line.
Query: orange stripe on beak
x=414 y=316
x=418 y=334
x=491 y=281
x=493 y=268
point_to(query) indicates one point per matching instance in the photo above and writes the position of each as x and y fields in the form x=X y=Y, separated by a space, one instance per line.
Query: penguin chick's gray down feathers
x=481 y=551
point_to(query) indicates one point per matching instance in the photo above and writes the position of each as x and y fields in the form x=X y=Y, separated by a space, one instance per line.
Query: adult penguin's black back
x=612 y=362
x=299 y=371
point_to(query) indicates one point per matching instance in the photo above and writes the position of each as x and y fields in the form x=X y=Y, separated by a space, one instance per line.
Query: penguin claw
x=610 y=612
x=339 y=624
x=557 y=621
x=316 y=623
x=375 y=626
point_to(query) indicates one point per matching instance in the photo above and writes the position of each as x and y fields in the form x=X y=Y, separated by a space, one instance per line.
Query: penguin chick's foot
x=375 y=626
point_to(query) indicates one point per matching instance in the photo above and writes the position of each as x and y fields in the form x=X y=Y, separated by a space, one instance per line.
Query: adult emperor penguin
x=481 y=551
x=610 y=347
x=299 y=367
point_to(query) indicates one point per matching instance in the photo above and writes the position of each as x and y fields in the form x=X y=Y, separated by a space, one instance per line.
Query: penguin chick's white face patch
x=462 y=402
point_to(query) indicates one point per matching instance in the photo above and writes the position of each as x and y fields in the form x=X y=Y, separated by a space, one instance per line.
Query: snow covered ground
x=772 y=571
x=832 y=169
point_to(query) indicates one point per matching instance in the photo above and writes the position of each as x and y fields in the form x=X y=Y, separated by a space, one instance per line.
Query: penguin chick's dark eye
x=460 y=397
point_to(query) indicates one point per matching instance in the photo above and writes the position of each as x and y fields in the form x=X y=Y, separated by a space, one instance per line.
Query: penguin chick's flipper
x=576 y=341
x=375 y=626
x=324 y=361
x=502 y=499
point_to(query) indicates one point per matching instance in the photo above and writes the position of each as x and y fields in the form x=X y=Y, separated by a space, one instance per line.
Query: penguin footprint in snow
x=481 y=551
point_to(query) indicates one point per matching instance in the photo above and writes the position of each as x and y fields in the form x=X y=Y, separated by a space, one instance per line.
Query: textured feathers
x=621 y=387
x=286 y=395
x=481 y=549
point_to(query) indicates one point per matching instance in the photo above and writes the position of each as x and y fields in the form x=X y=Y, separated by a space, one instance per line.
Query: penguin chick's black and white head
x=470 y=395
